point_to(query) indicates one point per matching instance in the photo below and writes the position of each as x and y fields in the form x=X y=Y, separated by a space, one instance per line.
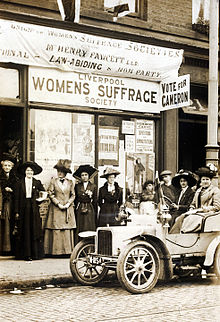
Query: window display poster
x=144 y=136
x=130 y=143
x=52 y=138
x=108 y=146
x=83 y=149
x=128 y=127
x=138 y=170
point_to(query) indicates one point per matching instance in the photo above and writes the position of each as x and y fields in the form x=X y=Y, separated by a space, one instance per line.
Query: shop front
x=91 y=119
x=93 y=100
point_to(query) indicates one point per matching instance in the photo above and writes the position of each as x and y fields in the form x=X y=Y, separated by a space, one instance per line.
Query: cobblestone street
x=195 y=300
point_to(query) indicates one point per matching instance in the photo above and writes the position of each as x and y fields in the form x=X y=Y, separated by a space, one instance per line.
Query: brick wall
x=163 y=16
x=170 y=15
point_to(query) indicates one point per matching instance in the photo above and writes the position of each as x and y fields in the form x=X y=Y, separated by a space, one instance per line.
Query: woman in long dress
x=29 y=243
x=109 y=199
x=86 y=199
x=8 y=182
x=60 y=223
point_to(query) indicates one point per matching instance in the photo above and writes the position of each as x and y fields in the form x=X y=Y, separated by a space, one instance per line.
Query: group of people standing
x=73 y=208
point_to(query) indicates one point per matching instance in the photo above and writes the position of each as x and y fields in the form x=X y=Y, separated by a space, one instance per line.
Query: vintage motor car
x=142 y=251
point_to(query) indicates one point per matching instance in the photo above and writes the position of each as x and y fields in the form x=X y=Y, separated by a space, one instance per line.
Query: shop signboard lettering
x=73 y=51
x=175 y=93
x=53 y=86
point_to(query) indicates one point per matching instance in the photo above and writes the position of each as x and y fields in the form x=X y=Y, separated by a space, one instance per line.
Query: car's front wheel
x=81 y=267
x=138 y=267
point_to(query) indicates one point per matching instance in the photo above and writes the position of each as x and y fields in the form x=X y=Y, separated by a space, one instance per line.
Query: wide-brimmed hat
x=165 y=173
x=8 y=157
x=205 y=172
x=109 y=171
x=85 y=168
x=187 y=175
x=30 y=164
x=63 y=165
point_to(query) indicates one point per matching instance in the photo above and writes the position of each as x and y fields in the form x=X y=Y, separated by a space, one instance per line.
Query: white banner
x=30 y=44
x=175 y=93
x=53 y=86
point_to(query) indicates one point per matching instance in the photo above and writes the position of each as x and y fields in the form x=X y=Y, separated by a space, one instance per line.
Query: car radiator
x=105 y=242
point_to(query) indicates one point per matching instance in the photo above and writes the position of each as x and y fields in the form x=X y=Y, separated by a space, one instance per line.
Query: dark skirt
x=29 y=241
x=108 y=212
x=85 y=218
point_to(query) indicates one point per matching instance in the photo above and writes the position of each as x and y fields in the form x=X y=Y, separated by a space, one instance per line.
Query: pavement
x=18 y=274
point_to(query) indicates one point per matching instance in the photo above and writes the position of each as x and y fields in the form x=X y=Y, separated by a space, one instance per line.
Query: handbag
x=84 y=209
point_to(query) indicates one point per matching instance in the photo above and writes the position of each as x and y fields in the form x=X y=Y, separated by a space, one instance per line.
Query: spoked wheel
x=81 y=268
x=138 y=267
x=216 y=265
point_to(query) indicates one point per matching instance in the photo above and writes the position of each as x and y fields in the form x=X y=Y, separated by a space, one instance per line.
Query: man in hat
x=206 y=200
x=8 y=181
x=110 y=198
x=183 y=181
x=169 y=191
x=86 y=199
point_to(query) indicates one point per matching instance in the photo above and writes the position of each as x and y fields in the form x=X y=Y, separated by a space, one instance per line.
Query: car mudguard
x=166 y=271
x=210 y=252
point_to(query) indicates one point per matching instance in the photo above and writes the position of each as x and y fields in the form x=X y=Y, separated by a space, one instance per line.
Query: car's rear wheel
x=138 y=267
x=81 y=267
x=216 y=264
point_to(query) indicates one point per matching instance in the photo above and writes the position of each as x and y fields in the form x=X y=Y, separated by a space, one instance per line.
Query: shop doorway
x=192 y=141
x=11 y=134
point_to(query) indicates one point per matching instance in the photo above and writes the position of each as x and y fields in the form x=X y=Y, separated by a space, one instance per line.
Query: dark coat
x=184 y=203
x=7 y=214
x=109 y=204
x=170 y=192
x=86 y=207
x=30 y=236
x=7 y=196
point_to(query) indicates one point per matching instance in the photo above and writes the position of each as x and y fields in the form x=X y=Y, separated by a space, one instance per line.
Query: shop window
x=61 y=135
x=128 y=145
x=9 y=80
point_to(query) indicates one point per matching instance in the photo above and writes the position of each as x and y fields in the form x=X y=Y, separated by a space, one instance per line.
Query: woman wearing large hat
x=206 y=198
x=29 y=243
x=109 y=199
x=60 y=223
x=8 y=180
x=184 y=180
x=86 y=199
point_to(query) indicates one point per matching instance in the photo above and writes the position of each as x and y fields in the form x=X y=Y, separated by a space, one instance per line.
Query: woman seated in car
x=206 y=200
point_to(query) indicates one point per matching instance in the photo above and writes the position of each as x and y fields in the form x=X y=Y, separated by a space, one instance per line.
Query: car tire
x=138 y=267
x=81 y=268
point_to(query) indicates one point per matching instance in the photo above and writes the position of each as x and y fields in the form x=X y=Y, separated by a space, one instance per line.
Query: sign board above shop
x=54 y=86
x=34 y=45
x=48 y=85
